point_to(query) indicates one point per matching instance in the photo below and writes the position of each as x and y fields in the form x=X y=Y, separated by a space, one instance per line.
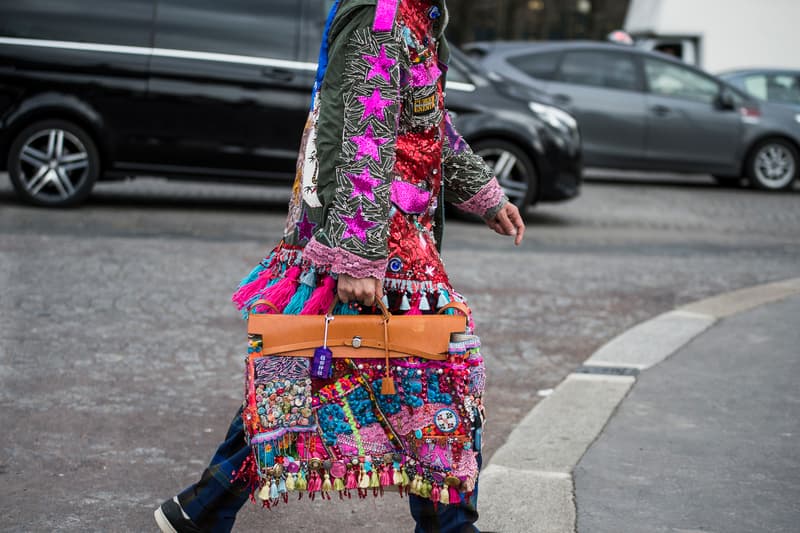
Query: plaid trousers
x=212 y=502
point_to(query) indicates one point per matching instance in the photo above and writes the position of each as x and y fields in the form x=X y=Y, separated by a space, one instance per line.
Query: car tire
x=513 y=168
x=773 y=165
x=53 y=163
x=731 y=182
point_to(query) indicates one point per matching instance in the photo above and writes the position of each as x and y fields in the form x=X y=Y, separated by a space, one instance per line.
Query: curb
x=528 y=485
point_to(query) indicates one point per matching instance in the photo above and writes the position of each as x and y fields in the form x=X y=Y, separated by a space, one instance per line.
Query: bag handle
x=458 y=306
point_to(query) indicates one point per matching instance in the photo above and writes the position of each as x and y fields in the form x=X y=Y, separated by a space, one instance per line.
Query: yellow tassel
x=263 y=494
x=416 y=484
x=444 y=496
x=289 y=482
x=374 y=480
x=398 y=477
x=363 y=480
x=326 y=485
x=301 y=484
x=338 y=484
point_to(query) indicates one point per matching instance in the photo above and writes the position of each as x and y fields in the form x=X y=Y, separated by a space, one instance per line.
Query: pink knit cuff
x=343 y=262
x=486 y=202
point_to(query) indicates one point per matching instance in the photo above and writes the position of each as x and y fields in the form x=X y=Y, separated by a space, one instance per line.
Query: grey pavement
x=707 y=440
x=121 y=356
x=687 y=422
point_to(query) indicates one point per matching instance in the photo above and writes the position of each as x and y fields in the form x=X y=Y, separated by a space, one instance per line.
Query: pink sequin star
x=380 y=65
x=305 y=227
x=368 y=145
x=357 y=226
x=375 y=105
x=363 y=184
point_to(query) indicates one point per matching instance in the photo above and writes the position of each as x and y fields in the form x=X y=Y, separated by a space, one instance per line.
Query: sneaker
x=171 y=518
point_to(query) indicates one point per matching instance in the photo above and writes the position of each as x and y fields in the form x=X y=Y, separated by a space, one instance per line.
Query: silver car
x=648 y=111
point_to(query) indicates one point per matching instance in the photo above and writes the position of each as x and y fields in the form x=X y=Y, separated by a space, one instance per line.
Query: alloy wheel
x=774 y=166
x=514 y=175
x=54 y=165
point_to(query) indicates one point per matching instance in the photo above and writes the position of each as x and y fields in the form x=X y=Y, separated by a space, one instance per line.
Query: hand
x=508 y=221
x=365 y=290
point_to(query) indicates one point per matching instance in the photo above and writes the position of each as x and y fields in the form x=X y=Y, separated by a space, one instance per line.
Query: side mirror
x=725 y=100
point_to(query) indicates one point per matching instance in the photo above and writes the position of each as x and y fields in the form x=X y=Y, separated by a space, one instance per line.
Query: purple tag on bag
x=321 y=364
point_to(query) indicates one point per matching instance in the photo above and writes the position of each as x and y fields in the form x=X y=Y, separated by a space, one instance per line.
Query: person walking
x=378 y=159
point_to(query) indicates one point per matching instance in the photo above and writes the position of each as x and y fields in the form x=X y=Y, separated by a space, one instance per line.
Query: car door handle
x=660 y=110
x=561 y=99
x=278 y=74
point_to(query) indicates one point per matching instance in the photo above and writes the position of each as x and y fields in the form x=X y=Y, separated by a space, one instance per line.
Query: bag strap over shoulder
x=385 y=12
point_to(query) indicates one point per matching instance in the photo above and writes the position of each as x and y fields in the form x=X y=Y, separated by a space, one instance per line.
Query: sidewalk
x=686 y=423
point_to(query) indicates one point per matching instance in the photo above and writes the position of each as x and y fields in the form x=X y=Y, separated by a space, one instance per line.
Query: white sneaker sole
x=162 y=522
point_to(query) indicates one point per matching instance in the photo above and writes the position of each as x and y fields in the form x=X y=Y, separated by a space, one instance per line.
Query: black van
x=195 y=89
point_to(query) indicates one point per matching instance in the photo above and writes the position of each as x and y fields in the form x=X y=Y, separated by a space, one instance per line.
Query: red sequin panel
x=418 y=155
x=414 y=13
x=416 y=250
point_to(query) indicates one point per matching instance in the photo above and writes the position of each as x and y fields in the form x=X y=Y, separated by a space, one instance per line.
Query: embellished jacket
x=379 y=146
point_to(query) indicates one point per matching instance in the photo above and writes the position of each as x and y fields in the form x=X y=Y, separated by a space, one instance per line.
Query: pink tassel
x=386 y=477
x=246 y=292
x=321 y=298
x=415 y=307
x=455 y=497
x=280 y=293
x=435 y=494
x=351 y=482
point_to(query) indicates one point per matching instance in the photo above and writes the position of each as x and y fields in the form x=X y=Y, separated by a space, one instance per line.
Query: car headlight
x=554 y=116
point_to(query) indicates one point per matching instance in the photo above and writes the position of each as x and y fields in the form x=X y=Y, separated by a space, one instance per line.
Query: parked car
x=647 y=111
x=768 y=85
x=196 y=90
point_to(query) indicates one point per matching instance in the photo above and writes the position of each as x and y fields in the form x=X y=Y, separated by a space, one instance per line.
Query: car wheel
x=53 y=163
x=728 y=181
x=773 y=165
x=513 y=168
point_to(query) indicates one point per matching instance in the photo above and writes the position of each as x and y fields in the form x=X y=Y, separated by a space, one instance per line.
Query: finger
x=505 y=223
x=368 y=299
x=344 y=295
x=493 y=225
x=519 y=225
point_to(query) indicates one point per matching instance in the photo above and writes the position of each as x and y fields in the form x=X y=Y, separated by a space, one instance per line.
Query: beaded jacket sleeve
x=469 y=183
x=358 y=130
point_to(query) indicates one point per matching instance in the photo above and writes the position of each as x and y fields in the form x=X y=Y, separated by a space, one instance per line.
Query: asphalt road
x=121 y=356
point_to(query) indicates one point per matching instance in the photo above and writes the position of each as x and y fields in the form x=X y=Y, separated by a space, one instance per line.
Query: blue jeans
x=212 y=502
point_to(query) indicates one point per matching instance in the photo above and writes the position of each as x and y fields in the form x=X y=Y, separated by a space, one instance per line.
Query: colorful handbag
x=350 y=404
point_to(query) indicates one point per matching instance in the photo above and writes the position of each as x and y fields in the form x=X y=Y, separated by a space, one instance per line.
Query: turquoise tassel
x=304 y=290
x=443 y=299
x=344 y=309
x=404 y=305
x=282 y=486
x=252 y=275
x=273 y=491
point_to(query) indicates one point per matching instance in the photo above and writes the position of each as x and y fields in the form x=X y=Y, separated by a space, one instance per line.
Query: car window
x=241 y=27
x=611 y=70
x=783 y=88
x=668 y=79
x=540 y=65
x=119 y=22
x=454 y=73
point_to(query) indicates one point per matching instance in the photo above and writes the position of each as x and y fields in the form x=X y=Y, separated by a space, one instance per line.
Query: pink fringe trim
x=246 y=292
x=321 y=299
x=280 y=293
